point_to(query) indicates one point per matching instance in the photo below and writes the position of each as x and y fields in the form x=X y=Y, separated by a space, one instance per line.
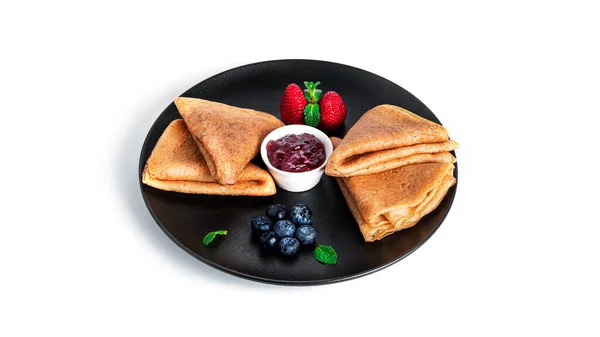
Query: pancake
x=228 y=137
x=177 y=165
x=388 y=137
x=386 y=202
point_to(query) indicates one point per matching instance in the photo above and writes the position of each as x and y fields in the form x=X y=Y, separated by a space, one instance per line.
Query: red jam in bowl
x=296 y=153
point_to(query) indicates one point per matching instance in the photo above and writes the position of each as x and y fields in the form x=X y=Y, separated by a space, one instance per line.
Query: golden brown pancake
x=387 y=137
x=177 y=165
x=228 y=137
x=386 y=202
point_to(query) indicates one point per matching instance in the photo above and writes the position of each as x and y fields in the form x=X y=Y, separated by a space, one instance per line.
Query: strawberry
x=291 y=106
x=333 y=111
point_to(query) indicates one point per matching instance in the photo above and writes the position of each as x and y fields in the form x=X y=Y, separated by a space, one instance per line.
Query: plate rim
x=271 y=281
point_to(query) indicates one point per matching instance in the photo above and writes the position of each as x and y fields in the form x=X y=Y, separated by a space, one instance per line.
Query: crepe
x=386 y=202
x=177 y=165
x=388 y=137
x=228 y=137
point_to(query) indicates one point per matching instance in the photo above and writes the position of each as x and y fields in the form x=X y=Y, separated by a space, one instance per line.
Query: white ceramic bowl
x=296 y=181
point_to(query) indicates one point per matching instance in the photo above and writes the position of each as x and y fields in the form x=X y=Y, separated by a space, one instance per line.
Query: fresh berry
x=333 y=111
x=284 y=228
x=306 y=235
x=301 y=215
x=311 y=110
x=259 y=225
x=268 y=240
x=289 y=246
x=291 y=106
x=277 y=212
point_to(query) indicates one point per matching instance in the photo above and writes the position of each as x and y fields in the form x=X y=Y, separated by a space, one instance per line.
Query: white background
x=516 y=83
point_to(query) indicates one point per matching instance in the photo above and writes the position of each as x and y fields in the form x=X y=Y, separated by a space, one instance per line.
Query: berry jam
x=296 y=153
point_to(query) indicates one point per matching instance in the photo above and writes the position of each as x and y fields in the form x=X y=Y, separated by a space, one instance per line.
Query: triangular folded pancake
x=176 y=165
x=387 y=137
x=386 y=202
x=228 y=137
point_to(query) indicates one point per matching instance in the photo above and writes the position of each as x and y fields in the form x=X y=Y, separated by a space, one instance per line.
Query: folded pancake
x=228 y=137
x=387 y=137
x=177 y=165
x=386 y=202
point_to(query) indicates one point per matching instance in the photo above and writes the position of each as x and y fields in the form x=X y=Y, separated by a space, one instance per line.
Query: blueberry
x=260 y=224
x=268 y=240
x=306 y=235
x=284 y=228
x=277 y=212
x=289 y=246
x=300 y=215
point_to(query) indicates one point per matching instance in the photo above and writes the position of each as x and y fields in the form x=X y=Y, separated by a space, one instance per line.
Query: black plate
x=187 y=218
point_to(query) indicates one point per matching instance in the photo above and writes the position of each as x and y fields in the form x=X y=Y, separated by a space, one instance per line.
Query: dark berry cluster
x=284 y=230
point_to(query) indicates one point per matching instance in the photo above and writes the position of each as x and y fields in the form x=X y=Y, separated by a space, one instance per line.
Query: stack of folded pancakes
x=393 y=168
x=209 y=151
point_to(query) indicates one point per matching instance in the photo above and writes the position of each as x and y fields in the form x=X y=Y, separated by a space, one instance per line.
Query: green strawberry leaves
x=208 y=238
x=325 y=254
x=311 y=93
x=312 y=116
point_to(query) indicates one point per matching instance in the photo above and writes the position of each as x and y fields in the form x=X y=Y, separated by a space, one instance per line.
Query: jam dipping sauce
x=296 y=153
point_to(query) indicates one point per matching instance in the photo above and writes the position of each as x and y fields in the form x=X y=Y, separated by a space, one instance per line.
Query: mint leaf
x=311 y=114
x=325 y=254
x=211 y=236
x=307 y=95
x=311 y=93
x=318 y=93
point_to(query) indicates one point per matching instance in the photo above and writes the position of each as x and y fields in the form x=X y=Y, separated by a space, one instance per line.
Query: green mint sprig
x=312 y=115
x=208 y=238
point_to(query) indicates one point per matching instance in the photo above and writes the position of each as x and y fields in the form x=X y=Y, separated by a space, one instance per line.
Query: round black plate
x=187 y=218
